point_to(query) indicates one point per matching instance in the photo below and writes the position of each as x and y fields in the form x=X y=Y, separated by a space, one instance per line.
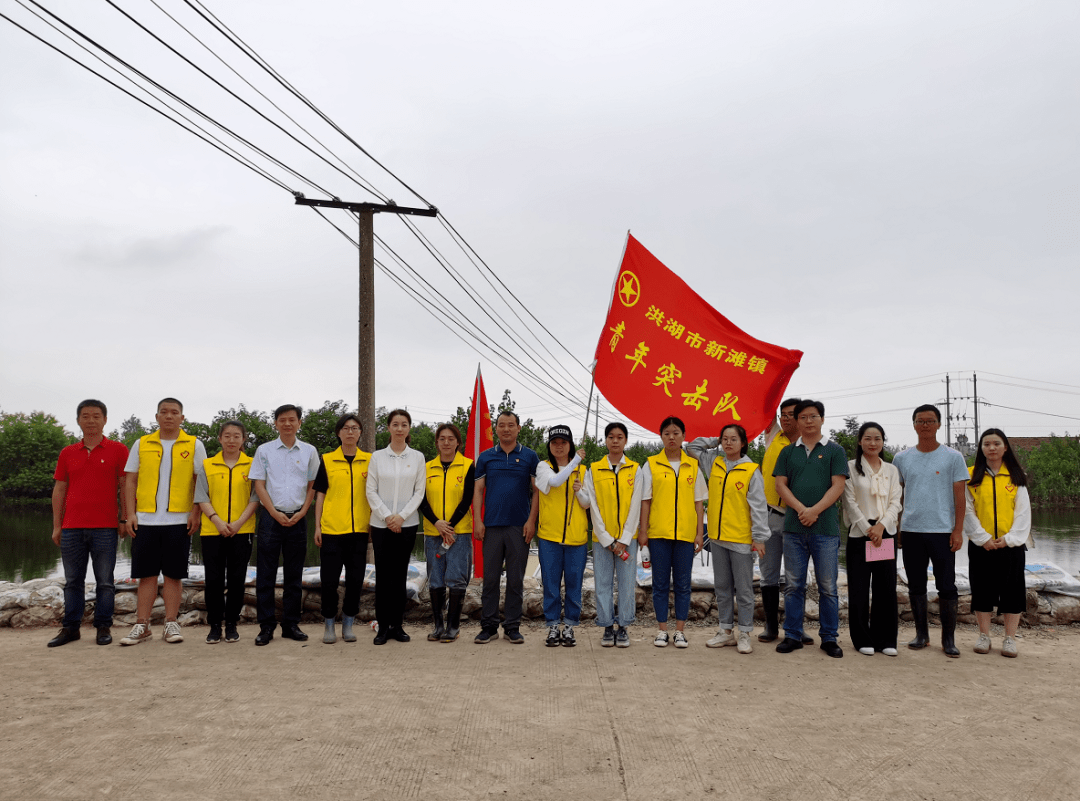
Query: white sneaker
x=983 y=645
x=680 y=640
x=866 y=651
x=172 y=632
x=1008 y=647
x=723 y=637
x=744 y=643
x=889 y=651
x=661 y=640
x=139 y=633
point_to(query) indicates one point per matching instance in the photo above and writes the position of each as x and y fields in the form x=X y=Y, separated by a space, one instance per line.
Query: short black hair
x=612 y=426
x=341 y=421
x=789 y=402
x=927 y=407
x=288 y=407
x=170 y=400
x=507 y=412
x=672 y=420
x=803 y=405
x=94 y=403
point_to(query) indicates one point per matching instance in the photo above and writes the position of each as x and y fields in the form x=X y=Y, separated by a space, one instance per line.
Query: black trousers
x=919 y=551
x=226 y=561
x=348 y=551
x=276 y=541
x=871 y=626
x=392 y=553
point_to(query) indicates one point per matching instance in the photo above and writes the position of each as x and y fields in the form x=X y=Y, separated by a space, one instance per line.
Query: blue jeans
x=77 y=547
x=606 y=567
x=671 y=556
x=451 y=569
x=560 y=563
x=799 y=549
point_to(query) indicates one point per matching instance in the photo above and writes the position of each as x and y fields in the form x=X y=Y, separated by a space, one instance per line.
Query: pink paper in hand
x=886 y=551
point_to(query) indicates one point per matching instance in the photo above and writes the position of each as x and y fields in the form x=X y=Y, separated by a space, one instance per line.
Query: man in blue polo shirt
x=505 y=490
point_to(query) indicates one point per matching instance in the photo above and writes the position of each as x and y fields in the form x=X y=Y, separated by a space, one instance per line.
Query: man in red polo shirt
x=89 y=476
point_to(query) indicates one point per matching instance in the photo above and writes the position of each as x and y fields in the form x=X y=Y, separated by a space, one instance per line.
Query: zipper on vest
x=569 y=510
x=993 y=483
x=675 y=536
x=230 y=494
x=352 y=497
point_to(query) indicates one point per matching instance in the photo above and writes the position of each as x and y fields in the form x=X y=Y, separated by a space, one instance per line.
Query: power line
x=1029 y=411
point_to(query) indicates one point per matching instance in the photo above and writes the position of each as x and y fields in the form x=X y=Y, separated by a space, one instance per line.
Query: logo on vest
x=1010 y=488
x=183 y=454
x=739 y=486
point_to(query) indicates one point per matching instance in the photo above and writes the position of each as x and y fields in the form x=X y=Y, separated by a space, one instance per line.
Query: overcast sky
x=892 y=188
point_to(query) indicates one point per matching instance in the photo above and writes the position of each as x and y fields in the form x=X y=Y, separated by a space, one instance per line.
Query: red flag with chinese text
x=665 y=351
x=478 y=439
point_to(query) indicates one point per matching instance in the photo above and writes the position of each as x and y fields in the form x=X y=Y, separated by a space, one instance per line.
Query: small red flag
x=665 y=351
x=478 y=439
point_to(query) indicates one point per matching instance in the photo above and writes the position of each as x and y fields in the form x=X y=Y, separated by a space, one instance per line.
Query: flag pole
x=588 y=406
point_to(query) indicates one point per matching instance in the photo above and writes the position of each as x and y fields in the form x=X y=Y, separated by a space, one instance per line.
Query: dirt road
x=464 y=721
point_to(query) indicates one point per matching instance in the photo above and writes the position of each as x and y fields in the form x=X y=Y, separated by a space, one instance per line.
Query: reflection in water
x=27 y=550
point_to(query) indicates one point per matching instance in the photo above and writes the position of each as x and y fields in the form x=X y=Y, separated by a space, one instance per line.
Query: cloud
x=157 y=251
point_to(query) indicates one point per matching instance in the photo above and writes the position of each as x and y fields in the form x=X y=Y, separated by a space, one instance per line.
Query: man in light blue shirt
x=932 y=524
x=283 y=472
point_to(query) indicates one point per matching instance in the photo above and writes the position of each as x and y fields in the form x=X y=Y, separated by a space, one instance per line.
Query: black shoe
x=231 y=634
x=381 y=636
x=264 y=636
x=399 y=635
x=922 y=629
x=453 y=616
x=66 y=635
x=807 y=639
x=515 y=637
x=568 y=640
x=622 y=638
x=554 y=637
x=608 y=638
x=292 y=631
x=948 y=628
x=438 y=598
x=833 y=649
x=104 y=635
x=214 y=636
x=485 y=636
x=787 y=645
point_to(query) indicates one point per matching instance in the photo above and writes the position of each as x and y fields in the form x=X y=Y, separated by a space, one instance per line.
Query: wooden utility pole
x=365 y=394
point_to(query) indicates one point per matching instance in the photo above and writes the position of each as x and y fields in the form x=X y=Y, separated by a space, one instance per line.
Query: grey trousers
x=774 y=550
x=503 y=543
x=733 y=577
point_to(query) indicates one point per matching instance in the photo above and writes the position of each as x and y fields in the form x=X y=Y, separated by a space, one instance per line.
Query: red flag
x=478 y=439
x=665 y=351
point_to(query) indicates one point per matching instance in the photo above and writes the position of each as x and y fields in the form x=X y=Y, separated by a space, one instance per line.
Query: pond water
x=27 y=551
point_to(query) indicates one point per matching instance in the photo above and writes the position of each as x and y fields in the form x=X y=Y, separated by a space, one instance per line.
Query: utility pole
x=975 y=381
x=365 y=403
x=948 y=413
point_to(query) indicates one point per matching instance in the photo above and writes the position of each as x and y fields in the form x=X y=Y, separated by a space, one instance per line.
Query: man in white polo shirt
x=283 y=472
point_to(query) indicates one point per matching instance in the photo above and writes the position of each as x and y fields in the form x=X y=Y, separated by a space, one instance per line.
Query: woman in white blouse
x=872 y=496
x=998 y=526
x=395 y=487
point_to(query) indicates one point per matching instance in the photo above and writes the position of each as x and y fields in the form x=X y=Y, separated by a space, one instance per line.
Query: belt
x=286 y=511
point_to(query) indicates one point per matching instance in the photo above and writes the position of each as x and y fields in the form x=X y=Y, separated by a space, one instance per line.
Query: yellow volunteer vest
x=445 y=489
x=673 y=514
x=345 y=508
x=613 y=495
x=230 y=491
x=561 y=517
x=995 y=502
x=181 y=486
x=768 y=464
x=729 y=511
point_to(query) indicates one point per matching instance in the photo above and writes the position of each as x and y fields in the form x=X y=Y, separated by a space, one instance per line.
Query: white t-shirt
x=163 y=517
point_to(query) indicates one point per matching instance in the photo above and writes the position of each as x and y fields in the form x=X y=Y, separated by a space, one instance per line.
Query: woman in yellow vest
x=562 y=535
x=228 y=502
x=447 y=511
x=998 y=527
x=672 y=513
x=342 y=516
x=738 y=528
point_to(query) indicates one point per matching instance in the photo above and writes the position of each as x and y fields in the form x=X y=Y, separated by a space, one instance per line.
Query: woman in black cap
x=562 y=534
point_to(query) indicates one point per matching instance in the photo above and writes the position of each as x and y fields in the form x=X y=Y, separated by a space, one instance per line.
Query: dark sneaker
x=608 y=640
x=568 y=640
x=231 y=634
x=622 y=638
x=214 y=636
x=554 y=637
x=515 y=637
x=485 y=636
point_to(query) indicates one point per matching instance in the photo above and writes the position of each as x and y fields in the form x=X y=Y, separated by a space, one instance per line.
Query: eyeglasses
x=927 y=423
x=787 y=416
x=809 y=418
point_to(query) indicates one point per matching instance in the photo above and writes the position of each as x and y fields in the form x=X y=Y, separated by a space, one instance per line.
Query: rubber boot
x=770 y=602
x=346 y=628
x=329 y=637
x=453 y=622
x=918 y=612
x=948 y=628
x=438 y=599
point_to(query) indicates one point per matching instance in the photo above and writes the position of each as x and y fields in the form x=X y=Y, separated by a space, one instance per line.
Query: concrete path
x=463 y=721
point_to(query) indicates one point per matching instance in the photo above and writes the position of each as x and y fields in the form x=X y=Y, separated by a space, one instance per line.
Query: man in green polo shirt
x=810 y=475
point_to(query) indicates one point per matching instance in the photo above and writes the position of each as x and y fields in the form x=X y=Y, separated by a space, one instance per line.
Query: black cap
x=561 y=432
